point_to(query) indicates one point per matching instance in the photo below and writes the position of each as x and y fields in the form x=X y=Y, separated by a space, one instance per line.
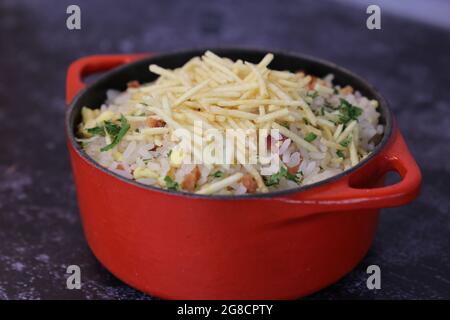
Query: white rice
x=151 y=152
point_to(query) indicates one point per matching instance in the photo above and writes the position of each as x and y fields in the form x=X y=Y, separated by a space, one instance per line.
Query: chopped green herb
x=322 y=111
x=340 y=154
x=97 y=131
x=283 y=173
x=217 y=174
x=272 y=180
x=313 y=94
x=348 y=111
x=292 y=177
x=170 y=184
x=285 y=124
x=346 y=141
x=112 y=129
x=116 y=132
x=310 y=137
x=169 y=153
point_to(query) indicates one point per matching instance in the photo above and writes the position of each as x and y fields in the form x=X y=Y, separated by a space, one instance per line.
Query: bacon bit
x=347 y=90
x=249 y=182
x=120 y=167
x=155 y=123
x=269 y=141
x=294 y=169
x=133 y=84
x=190 y=180
x=312 y=83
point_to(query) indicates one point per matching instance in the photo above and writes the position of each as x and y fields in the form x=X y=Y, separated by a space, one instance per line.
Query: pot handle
x=342 y=196
x=92 y=64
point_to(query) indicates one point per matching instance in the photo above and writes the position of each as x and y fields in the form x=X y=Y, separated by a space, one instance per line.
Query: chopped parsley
x=116 y=132
x=169 y=153
x=346 y=141
x=348 y=112
x=274 y=179
x=97 y=131
x=340 y=154
x=310 y=137
x=293 y=177
x=285 y=124
x=170 y=184
x=112 y=129
x=217 y=174
x=313 y=94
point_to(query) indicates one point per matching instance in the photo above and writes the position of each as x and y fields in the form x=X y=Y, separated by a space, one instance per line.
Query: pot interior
x=94 y=94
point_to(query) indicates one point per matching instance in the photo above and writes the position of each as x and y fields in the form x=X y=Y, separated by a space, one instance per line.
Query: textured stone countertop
x=40 y=228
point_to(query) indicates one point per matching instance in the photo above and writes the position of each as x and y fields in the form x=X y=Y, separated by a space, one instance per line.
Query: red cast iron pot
x=278 y=245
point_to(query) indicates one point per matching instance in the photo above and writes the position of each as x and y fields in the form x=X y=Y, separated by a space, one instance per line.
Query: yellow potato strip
x=153 y=131
x=272 y=116
x=227 y=72
x=232 y=103
x=233 y=113
x=294 y=137
x=163 y=72
x=241 y=87
x=191 y=92
x=279 y=92
x=325 y=123
x=308 y=112
x=165 y=117
x=217 y=186
x=353 y=155
x=338 y=131
x=261 y=82
x=347 y=131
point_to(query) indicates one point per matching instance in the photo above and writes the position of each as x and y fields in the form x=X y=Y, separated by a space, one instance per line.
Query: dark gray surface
x=40 y=230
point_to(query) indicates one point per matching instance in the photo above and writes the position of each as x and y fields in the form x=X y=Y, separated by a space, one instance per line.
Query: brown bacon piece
x=312 y=83
x=190 y=180
x=133 y=84
x=347 y=90
x=294 y=169
x=249 y=182
x=155 y=123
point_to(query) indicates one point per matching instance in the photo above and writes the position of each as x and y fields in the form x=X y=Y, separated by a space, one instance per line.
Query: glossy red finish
x=180 y=247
